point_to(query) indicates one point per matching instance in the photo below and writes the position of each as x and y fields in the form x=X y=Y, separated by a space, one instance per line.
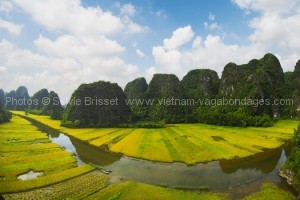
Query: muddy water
x=216 y=175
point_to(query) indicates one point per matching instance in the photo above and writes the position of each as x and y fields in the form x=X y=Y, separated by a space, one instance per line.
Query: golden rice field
x=24 y=148
x=187 y=143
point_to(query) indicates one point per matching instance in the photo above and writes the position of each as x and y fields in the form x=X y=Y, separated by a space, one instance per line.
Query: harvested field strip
x=108 y=137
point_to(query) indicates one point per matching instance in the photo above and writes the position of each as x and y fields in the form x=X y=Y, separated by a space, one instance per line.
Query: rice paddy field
x=23 y=148
x=186 y=143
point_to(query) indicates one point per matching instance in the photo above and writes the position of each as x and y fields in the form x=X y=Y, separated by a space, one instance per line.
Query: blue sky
x=60 y=44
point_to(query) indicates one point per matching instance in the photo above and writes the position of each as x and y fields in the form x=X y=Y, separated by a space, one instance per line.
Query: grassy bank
x=188 y=143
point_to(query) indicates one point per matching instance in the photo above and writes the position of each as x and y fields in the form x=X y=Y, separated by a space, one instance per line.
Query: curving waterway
x=215 y=175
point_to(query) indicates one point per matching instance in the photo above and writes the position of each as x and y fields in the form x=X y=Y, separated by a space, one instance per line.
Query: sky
x=59 y=45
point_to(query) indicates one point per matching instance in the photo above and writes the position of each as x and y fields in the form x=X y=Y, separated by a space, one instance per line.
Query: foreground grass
x=133 y=190
x=188 y=143
x=69 y=189
x=270 y=191
x=23 y=148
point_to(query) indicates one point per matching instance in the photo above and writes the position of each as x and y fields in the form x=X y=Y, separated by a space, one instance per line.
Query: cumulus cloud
x=14 y=29
x=72 y=17
x=276 y=26
x=180 y=37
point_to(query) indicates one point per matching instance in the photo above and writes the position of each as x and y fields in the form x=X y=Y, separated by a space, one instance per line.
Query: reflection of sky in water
x=65 y=142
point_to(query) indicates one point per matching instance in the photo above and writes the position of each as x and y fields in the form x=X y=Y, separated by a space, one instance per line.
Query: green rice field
x=24 y=148
x=186 y=143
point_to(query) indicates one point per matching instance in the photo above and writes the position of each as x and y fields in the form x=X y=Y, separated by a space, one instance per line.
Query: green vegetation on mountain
x=98 y=104
x=162 y=89
x=2 y=99
x=247 y=93
x=135 y=92
x=198 y=84
x=136 y=89
x=4 y=115
x=17 y=100
x=45 y=103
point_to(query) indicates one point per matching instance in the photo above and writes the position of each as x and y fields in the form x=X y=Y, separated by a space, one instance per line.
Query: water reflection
x=215 y=174
x=264 y=162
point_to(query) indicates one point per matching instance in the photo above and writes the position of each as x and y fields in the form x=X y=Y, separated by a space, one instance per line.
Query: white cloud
x=149 y=73
x=180 y=37
x=212 y=26
x=72 y=17
x=6 y=6
x=140 y=53
x=72 y=46
x=128 y=9
x=133 y=28
x=14 y=29
x=277 y=6
x=197 y=42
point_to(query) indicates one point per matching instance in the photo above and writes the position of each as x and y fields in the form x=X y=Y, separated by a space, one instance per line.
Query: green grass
x=133 y=190
x=187 y=143
x=23 y=148
x=270 y=191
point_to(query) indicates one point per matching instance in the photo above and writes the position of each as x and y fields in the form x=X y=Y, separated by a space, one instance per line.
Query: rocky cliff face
x=99 y=104
x=259 y=79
